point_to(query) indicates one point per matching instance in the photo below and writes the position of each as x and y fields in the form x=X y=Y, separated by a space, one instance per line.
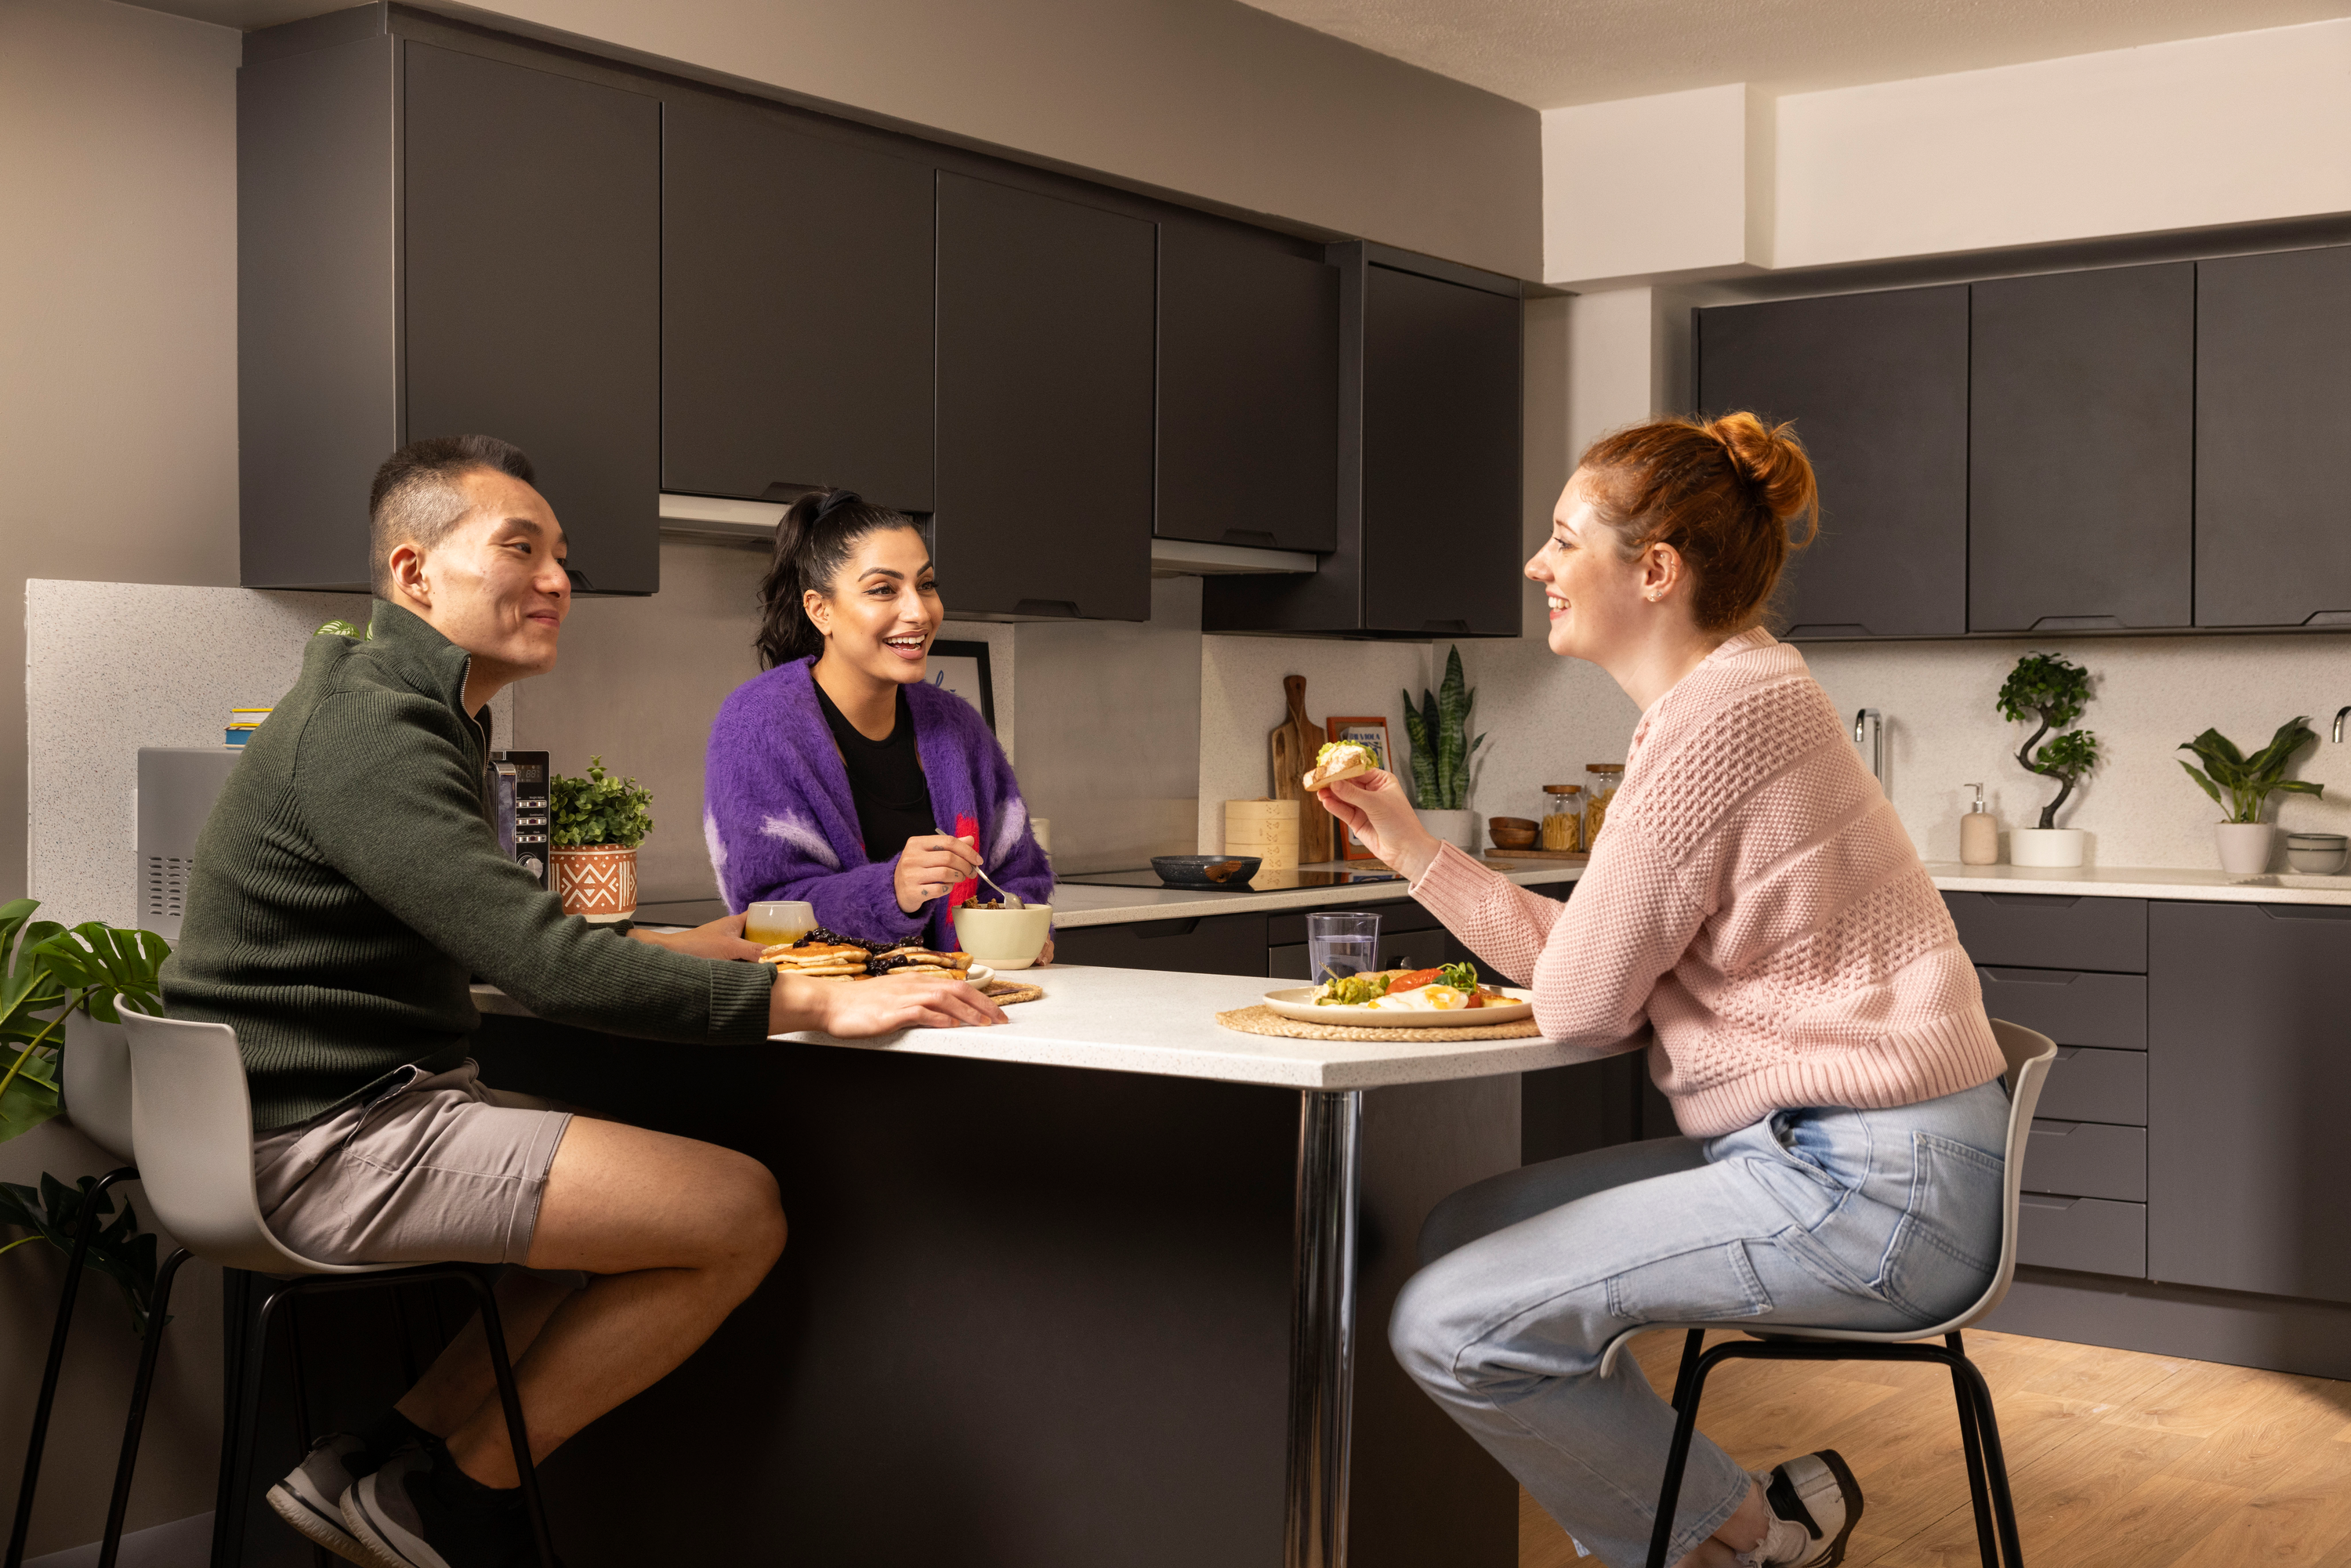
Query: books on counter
x=243 y=722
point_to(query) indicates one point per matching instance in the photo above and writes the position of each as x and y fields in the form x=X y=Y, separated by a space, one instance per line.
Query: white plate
x=1297 y=1002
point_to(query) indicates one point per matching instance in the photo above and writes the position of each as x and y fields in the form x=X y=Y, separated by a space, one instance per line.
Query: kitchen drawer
x=1397 y=950
x=1201 y=944
x=2072 y=1007
x=2052 y=931
x=2090 y=1085
x=2093 y=1234
x=2086 y=1159
x=1395 y=915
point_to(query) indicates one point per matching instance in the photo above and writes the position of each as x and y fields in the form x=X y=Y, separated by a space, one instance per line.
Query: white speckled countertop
x=2142 y=882
x=1074 y=907
x=1142 y=1020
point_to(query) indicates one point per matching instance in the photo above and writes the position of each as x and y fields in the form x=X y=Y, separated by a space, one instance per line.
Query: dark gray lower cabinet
x=2090 y=1085
x=1198 y=945
x=2272 y=423
x=2053 y=931
x=2080 y=450
x=1047 y=322
x=2249 y=1077
x=2086 y=1159
x=1878 y=387
x=2086 y=1235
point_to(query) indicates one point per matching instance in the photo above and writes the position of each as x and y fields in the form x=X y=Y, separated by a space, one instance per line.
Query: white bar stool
x=192 y=1121
x=2029 y=1057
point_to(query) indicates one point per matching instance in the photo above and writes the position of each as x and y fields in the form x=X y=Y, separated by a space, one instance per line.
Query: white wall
x=2236 y=129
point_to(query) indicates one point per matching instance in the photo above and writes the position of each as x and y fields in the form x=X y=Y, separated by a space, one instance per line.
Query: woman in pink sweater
x=1754 y=916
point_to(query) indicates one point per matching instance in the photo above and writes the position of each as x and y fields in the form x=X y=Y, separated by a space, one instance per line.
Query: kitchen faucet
x=1875 y=721
x=2338 y=723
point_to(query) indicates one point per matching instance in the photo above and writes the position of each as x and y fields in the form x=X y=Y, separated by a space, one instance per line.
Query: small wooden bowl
x=1514 y=838
x=1514 y=824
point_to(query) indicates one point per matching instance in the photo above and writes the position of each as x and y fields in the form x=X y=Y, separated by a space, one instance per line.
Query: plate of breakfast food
x=1448 y=997
x=824 y=955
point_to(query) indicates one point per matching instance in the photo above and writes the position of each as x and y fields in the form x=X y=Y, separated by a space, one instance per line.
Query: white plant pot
x=2245 y=846
x=2046 y=846
x=1458 y=829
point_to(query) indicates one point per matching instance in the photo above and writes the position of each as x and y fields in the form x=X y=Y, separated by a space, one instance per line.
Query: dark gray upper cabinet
x=2080 y=450
x=1430 y=464
x=2247 y=1078
x=1878 y=387
x=2272 y=425
x=1046 y=375
x=486 y=259
x=796 y=311
x=1249 y=389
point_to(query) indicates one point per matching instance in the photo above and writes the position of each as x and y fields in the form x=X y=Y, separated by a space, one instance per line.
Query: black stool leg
x=1693 y=1346
x=2003 y=1504
x=85 y=1226
x=119 y=1504
x=510 y=1398
x=1977 y=1491
x=242 y=1435
x=1669 y=1496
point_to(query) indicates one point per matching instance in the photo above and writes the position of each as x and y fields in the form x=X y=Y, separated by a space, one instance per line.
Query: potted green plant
x=2052 y=691
x=2240 y=785
x=1439 y=782
x=595 y=826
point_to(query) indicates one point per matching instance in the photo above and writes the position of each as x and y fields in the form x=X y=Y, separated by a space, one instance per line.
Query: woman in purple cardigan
x=840 y=776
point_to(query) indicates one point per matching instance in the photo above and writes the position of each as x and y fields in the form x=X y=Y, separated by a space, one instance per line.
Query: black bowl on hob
x=1205 y=871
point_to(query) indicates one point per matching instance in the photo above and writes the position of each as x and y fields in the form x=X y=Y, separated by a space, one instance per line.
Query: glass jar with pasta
x=1563 y=818
x=1600 y=782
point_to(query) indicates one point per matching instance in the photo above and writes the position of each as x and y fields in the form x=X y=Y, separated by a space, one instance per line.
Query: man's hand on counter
x=720 y=938
x=854 y=1010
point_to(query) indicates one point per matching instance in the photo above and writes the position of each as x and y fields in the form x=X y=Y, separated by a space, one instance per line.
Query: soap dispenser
x=1979 y=833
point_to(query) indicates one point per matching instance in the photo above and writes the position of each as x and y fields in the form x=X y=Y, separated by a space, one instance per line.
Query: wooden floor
x=2115 y=1457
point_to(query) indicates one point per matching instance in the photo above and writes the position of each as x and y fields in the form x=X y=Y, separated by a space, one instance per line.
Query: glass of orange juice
x=783 y=920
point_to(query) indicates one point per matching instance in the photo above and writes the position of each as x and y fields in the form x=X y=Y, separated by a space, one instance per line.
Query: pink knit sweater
x=1753 y=908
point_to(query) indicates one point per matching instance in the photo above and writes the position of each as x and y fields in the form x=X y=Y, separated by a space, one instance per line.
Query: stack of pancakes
x=819 y=960
x=855 y=961
x=910 y=960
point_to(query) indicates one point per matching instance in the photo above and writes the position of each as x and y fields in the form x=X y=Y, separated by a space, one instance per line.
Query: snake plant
x=1441 y=749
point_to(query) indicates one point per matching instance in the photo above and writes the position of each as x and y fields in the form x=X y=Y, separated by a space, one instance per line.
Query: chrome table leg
x=1322 y=1326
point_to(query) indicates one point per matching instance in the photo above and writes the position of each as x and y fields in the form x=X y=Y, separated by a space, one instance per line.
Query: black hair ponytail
x=814 y=541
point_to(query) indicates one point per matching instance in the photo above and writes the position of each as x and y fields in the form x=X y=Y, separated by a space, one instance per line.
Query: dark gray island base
x=1029 y=1315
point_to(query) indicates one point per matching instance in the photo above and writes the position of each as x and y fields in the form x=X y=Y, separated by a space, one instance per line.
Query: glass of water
x=1338 y=945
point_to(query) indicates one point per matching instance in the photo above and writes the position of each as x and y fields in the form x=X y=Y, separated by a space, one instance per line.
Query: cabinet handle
x=2305 y=911
x=787 y=492
x=1829 y=628
x=580 y=583
x=1062 y=606
x=2068 y=1052
x=1249 y=537
x=2034 y=1200
x=1461 y=627
x=2030 y=976
x=1152 y=930
x=2079 y=623
x=2041 y=1127
x=2035 y=900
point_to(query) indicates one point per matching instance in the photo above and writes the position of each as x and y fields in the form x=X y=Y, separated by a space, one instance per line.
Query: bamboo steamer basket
x=1266 y=829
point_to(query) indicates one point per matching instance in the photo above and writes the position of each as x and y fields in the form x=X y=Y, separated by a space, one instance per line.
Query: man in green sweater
x=346 y=888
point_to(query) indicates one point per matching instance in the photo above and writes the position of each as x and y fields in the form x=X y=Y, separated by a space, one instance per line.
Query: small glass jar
x=1563 y=817
x=1600 y=782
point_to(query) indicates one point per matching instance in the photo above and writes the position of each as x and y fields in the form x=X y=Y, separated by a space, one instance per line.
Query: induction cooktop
x=1265 y=881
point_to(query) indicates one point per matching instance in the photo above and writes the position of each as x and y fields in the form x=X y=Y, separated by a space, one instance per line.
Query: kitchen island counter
x=1075 y=905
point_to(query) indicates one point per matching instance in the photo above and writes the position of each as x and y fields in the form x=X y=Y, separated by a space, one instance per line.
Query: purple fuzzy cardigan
x=780 y=821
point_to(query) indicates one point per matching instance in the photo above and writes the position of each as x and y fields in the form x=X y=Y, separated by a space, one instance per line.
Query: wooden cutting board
x=1294 y=742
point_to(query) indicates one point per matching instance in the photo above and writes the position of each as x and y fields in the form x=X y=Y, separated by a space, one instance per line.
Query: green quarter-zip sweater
x=348 y=885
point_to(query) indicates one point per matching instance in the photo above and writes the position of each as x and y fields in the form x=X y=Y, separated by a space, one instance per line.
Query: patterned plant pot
x=595 y=881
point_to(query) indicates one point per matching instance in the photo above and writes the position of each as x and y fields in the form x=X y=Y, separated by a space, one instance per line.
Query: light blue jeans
x=1833 y=1218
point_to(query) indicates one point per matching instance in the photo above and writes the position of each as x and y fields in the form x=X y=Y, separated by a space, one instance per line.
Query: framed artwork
x=1372 y=734
x=962 y=668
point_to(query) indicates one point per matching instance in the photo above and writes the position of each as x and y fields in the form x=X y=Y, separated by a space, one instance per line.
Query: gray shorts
x=434 y=1168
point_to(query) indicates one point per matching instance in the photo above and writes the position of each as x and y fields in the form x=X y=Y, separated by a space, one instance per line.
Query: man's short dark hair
x=415 y=499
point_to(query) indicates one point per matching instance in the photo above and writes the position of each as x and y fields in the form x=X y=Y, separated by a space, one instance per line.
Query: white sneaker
x=1817 y=1493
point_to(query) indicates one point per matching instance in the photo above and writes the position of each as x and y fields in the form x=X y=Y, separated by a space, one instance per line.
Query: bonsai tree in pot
x=1438 y=729
x=595 y=825
x=2052 y=691
x=2240 y=785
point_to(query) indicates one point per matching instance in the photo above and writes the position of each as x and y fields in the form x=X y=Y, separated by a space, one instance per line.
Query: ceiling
x=1552 y=53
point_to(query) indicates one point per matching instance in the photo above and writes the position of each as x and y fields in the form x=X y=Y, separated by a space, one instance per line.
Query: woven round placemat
x=1005 y=993
x=1263 y=1020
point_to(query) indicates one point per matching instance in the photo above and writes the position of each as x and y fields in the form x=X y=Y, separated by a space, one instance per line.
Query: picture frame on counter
x=1371 y=733
x=963 y=669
